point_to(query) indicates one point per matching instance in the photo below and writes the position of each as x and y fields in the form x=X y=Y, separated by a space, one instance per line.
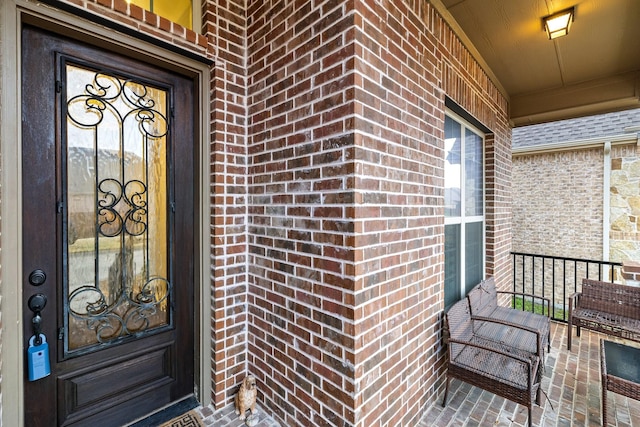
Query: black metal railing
x=556 y=278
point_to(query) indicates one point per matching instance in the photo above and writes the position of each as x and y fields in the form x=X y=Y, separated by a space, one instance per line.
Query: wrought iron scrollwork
x=87 y=109
x=128 y=300
x=127 y=315
x=132 y=220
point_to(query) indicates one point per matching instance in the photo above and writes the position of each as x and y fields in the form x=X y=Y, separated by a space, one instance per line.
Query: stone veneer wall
x=624 y=232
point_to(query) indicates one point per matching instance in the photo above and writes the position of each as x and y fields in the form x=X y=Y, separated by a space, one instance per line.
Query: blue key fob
x=38 y=358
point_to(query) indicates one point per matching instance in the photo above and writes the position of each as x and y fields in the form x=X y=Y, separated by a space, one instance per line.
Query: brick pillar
x=631 y=273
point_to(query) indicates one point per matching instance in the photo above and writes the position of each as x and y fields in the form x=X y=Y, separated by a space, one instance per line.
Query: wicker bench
x=483 y=302
x=605 y=307
x=508 y=366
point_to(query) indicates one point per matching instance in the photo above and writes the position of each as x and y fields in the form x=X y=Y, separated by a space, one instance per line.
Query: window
x=178 y=11
x=464 y=208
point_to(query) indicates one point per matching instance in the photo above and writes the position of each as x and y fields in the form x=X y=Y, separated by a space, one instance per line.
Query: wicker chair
x=483 y=302
x=502 y=366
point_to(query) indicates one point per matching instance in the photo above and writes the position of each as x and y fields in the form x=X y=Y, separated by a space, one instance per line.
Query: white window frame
x=463 y=219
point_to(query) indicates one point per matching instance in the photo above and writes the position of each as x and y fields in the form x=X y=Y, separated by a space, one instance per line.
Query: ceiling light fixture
x=558 y=24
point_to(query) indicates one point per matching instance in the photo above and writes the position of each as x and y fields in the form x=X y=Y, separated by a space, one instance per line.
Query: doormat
x=190 y=419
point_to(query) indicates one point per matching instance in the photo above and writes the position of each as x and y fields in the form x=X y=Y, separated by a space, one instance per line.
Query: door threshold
x=167 y=413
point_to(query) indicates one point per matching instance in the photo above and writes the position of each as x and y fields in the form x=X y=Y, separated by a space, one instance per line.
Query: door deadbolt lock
x=37 y=277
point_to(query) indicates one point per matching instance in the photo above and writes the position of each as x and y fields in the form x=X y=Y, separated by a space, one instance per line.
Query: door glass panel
x=116 y=269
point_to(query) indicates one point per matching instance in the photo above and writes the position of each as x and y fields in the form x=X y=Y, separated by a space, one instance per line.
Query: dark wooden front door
x=108 y=237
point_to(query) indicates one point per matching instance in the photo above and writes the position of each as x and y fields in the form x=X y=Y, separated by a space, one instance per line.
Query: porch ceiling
x=595 y=69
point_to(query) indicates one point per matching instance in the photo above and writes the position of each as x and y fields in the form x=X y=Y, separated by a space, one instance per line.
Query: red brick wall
x=224 y=24
x=346 y=117
x=301 y=232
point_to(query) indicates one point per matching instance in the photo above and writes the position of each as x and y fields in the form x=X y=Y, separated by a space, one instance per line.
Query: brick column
x=631 y=273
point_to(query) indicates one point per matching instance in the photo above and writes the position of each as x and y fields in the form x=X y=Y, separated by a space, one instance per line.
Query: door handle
x=36 y=303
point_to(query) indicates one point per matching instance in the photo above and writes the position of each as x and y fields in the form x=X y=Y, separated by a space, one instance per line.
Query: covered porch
x=572 y=395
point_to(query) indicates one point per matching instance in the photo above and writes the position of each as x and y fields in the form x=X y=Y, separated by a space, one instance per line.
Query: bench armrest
x=534 y=297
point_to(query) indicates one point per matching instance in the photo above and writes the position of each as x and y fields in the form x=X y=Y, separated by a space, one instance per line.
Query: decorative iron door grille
x=115 y=181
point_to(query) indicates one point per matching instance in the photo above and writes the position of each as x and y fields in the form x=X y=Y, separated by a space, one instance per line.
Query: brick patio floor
x=571 y=382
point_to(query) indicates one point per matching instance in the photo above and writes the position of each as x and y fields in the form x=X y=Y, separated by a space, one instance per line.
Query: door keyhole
x=37 y=303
